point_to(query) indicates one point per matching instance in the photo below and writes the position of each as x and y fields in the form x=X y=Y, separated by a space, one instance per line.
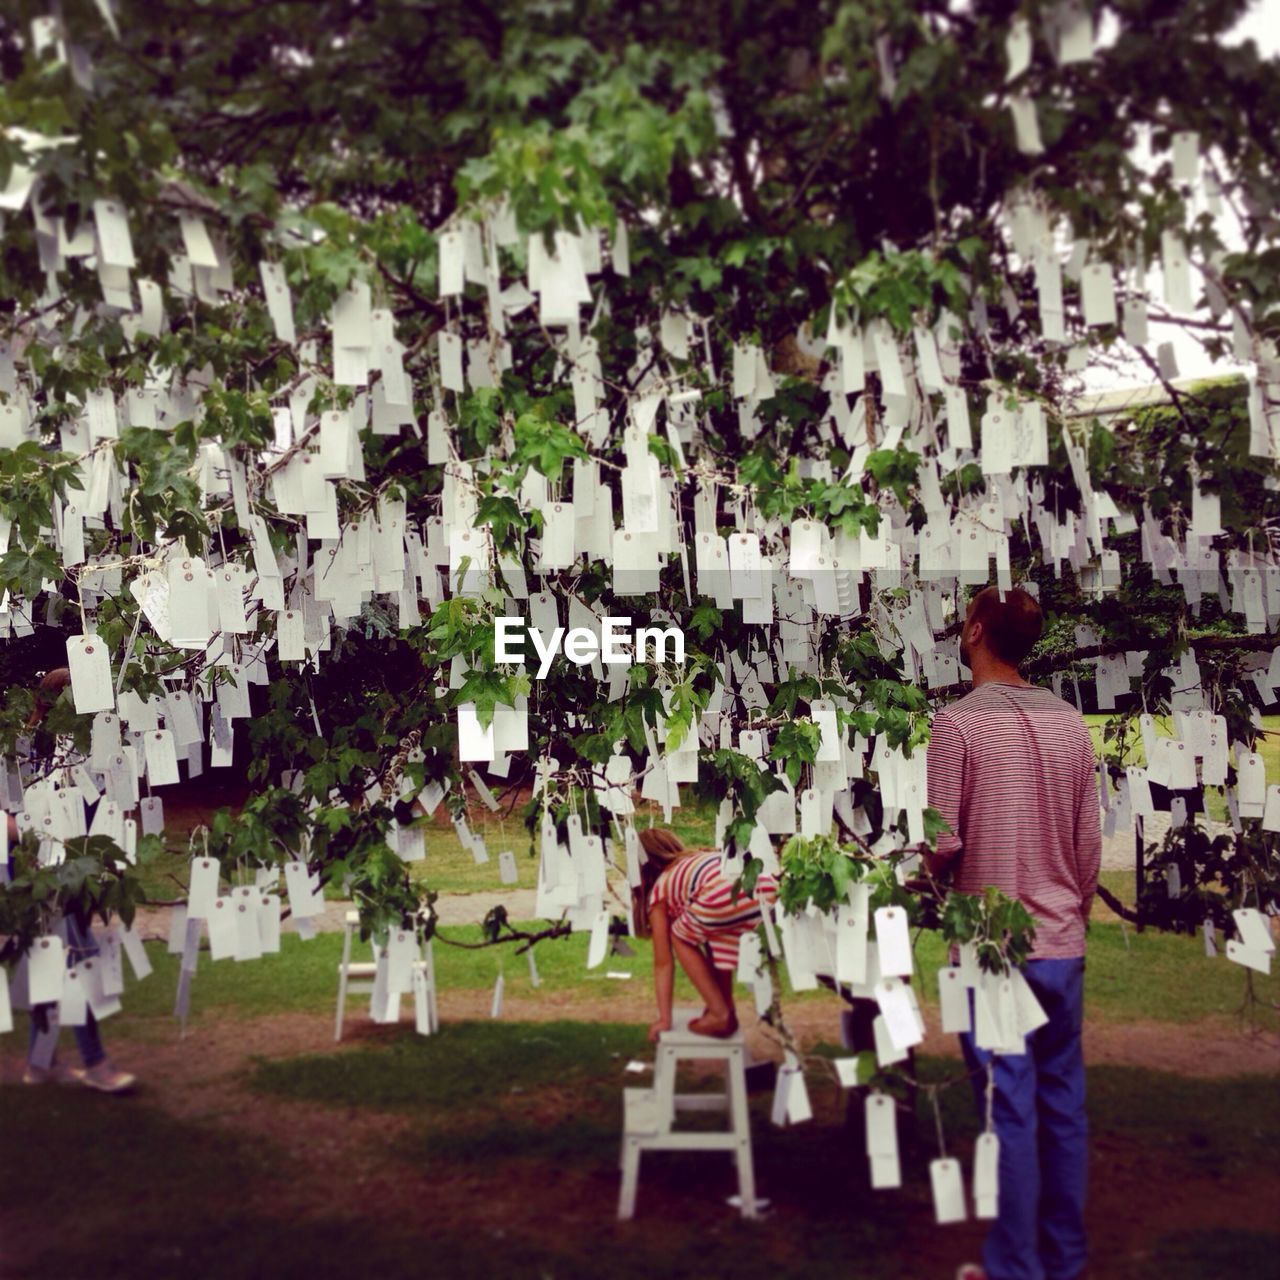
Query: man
x=1012 y=770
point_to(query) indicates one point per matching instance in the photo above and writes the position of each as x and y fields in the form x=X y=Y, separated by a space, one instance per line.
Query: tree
x=336 y=331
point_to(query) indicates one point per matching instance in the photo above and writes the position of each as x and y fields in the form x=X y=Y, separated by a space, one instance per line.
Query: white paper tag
x=894 y=998
x=954 y=1000
x=161 y=756
x=599 y=944
x=90 y=669
x=132 y=946
x=1029 y=1015
x=948 y=1191
x=73 y=1004
x=851 y=937
x=46 y=967
x=304 y=901
x=202 y=888
x=986 y=1170
x=6 y=1006
x=881 y=1124
x=222 y=930
x=474 y=742
x=1255 y=929
x=887 y=1053
x=893 y=942
x=421 y=1005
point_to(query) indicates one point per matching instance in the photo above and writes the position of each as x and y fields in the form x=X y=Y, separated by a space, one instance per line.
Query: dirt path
x=217 y=1047
x=353 y=1161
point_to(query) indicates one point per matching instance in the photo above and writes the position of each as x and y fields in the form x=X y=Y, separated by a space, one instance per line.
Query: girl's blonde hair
x=661 y=849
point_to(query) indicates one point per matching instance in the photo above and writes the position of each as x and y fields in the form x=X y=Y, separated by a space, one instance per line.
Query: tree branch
x=1060 y=661
x=1125 y=913
x=558 y=930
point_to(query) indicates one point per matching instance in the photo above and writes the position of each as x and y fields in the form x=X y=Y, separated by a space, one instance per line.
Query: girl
x=688 y=906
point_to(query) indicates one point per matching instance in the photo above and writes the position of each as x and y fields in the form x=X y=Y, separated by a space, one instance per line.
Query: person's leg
x=724 y=979
x=42 y=1046
x=89 y=1042
x=1063 y=1128
x=1010 y=1249
x=718 y=1020
x=80 y=946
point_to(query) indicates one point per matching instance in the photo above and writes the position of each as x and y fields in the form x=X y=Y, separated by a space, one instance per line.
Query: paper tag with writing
x=90 y=669
x=161 y=756
x=893 y=997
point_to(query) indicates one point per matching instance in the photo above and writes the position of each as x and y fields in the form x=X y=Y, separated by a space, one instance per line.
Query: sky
x=1262 y=25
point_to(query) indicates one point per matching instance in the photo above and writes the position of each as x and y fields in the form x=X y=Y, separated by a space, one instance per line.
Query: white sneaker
x=56 y=1074
x=106 y=1079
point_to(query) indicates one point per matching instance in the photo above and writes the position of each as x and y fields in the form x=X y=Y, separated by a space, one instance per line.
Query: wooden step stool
x=650 y=1114
x=358 y=977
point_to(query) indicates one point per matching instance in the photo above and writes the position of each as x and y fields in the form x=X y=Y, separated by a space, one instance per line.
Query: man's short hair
x=1012 y=625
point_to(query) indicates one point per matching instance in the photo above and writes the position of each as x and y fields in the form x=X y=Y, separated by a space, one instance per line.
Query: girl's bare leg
x=719 y=1019
x=724 y=980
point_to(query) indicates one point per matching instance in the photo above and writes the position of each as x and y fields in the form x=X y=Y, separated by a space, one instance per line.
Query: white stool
x=353 y=979
x=360 y=977
x=427 y=967
x=650 y=1114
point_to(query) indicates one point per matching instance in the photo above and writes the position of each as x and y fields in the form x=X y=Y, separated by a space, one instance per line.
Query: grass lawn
x=1130 y=976
x=448 y=867
x=1269 y=743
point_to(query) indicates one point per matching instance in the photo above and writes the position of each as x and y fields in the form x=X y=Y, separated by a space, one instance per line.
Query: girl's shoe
x=971 y=1271
x=106 y=1079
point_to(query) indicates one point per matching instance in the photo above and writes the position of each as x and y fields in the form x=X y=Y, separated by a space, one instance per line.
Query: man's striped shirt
x=1012 y=770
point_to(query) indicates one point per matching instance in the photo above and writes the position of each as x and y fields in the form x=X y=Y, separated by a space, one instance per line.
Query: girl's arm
x=663 y=968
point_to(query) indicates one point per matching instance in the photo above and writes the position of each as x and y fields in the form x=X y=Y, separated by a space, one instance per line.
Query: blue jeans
x=80 y=944
x=1040 y=1121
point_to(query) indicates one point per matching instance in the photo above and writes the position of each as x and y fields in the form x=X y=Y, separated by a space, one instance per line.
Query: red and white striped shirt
x=703 y=909
x=1012 y=770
